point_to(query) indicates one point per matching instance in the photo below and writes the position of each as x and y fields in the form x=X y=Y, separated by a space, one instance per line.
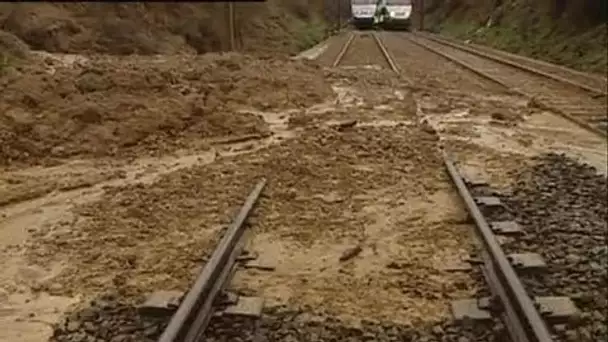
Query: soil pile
x=115 y=106
x=569 y=32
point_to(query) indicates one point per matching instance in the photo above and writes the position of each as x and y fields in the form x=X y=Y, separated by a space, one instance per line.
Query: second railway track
x=584 y=105
x=595 y=84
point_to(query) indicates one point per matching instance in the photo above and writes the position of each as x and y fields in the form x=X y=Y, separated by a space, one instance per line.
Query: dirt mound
x=161 y=28
x=569 y=32
x=70 y=106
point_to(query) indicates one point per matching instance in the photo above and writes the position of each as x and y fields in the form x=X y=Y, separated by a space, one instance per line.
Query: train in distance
x=385 y=14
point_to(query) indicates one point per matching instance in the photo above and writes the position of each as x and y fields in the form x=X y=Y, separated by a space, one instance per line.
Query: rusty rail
x=379 y=43
x=385 y=53
x=191 y=318
x=463 y=64
x=523 y=321
x=342 y=52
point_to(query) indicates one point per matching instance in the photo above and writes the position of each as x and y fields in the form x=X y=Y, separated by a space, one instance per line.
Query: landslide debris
x=68 y=106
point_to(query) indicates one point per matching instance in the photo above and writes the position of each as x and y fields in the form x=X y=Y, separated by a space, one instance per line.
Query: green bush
x=310 y=34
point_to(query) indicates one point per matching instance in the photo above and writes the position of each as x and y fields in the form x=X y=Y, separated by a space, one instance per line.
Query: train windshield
x=398 y=2
x=363 y=2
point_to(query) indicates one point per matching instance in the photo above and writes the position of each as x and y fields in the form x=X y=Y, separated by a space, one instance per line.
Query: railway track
x=524 y=320
x=581 y=100
x=356 y=37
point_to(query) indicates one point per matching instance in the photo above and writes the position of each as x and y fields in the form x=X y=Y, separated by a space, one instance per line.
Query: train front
x=399 y=14
x=363 y=12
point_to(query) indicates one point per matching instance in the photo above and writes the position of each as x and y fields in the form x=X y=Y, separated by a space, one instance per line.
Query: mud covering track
x=191 y=318
x=369 y=196
x=357 y=224
x=375 y=186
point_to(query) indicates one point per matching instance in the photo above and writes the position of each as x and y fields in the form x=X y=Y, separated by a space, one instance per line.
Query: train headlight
x=392 y=13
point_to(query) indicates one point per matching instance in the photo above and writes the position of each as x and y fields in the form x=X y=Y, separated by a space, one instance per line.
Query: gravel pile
x=284 y=325
x=109 y=319
x=561 y=204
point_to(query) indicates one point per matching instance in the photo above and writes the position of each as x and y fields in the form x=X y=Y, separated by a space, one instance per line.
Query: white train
x=391 y=14
x=399 y=14
x=363 y=13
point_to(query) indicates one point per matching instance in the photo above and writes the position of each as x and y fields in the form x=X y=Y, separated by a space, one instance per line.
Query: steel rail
x=523 y=321
x=342 y=52
x=558 y=111
x=192 y=316
x=385 y=53
x=476 y=51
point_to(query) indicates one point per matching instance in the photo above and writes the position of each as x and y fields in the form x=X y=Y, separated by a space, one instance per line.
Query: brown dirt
x=22 y=186
x=107 y=106
x=318 y=202
x=375 y=195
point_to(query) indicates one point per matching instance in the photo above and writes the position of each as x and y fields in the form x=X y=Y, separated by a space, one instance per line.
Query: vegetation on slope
x=569 y=32
x=163 y=28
